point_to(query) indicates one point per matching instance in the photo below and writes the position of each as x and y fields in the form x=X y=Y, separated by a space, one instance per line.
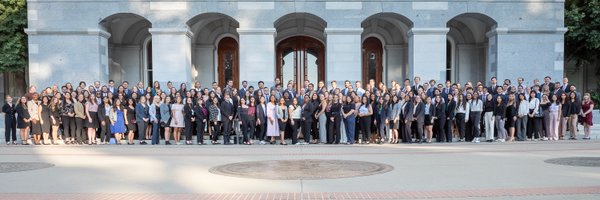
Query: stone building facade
x=206 y=41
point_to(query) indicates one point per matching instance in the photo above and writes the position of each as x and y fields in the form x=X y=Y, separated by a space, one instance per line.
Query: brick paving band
x=433 y=194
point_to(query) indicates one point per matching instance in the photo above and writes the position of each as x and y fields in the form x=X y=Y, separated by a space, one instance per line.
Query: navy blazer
x=141 y=112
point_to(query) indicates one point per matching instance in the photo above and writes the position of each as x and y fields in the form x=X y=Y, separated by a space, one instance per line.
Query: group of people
x=406 y=112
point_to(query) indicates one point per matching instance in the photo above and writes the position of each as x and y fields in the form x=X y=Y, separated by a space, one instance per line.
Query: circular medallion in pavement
x=7 y=167
x=308 y=169
x=576 y=161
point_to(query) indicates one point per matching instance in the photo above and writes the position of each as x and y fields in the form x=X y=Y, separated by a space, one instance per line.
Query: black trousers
x=307 y=130
x=440 y=124
x=365 y=128
x=215 y=130
x=226 y=130
x=315 y=129
x=10 y=128
x=449 y=130
x=260 y=130
x=461 y=125
x=294 y=128
x=68 y=125
x=199 y=131
x=247 y=128
x=333 y=130
x=79 y=130
x=188 y=129
x=105 y=130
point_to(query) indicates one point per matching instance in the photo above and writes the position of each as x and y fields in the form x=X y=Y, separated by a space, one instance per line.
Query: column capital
x=428 y=31
x=171 y=31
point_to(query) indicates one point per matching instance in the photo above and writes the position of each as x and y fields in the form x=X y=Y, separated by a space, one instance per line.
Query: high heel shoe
x=281 y=143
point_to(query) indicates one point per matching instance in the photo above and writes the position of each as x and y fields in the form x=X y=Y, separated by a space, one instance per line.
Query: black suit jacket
x=261 y=113
x=227 y=110
x=308 y=111
x=101 y=113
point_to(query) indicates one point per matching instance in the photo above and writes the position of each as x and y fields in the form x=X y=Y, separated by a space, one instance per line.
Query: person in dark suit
x=408 y=117
x=201 y=117
x=566 y=87
x=261 y=119
x=10 y=121
x=227 y=112
x=103 y=116
x=416 y=85
x=493 y=88
x=450 y=113
x=549 y=83
x=308 y=114
x=419 y=118
x=440 y=119
x=142 y=116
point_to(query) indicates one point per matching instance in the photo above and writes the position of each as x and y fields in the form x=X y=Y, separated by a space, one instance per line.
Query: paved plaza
x=440 y=171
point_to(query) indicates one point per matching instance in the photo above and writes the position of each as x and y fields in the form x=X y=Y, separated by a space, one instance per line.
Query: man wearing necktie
x=227 y=117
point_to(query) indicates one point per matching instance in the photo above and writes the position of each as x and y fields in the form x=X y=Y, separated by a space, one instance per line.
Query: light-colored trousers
x=500 y=127
x=553 y=126
x=573 y=125
x=488 y=120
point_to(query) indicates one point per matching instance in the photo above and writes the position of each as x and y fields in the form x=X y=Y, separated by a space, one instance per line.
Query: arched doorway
x=300 y=58
x=215 y=49
x=385 y=35
x=469 y=49
x=129 y=47
x=372 y=62
x=228 y=61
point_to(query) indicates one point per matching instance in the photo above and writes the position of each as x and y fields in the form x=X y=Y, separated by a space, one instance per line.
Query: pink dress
x=272 y=128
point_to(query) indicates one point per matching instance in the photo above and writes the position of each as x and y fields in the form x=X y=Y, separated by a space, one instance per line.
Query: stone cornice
x=99 y=32
x=506 y=31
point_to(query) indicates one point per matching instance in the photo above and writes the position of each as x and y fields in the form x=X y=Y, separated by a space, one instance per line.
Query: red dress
x=585 y=107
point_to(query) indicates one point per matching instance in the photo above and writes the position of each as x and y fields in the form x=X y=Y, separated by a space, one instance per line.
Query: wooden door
x=300 y=58
x=372 y=58
x=228 y=69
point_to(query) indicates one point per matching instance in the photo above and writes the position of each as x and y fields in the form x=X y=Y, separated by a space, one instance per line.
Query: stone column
x=257 y=55
x=171 y=55
x=57 y=56
x=427 y=54
x=528 y=53
x=343 y=57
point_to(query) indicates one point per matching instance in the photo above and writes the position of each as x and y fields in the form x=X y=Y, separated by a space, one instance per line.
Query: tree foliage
x=13 y=40
x=582 y=41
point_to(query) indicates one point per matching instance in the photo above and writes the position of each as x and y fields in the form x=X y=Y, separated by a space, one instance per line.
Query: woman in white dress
x=177 y=118
x=272 y=124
